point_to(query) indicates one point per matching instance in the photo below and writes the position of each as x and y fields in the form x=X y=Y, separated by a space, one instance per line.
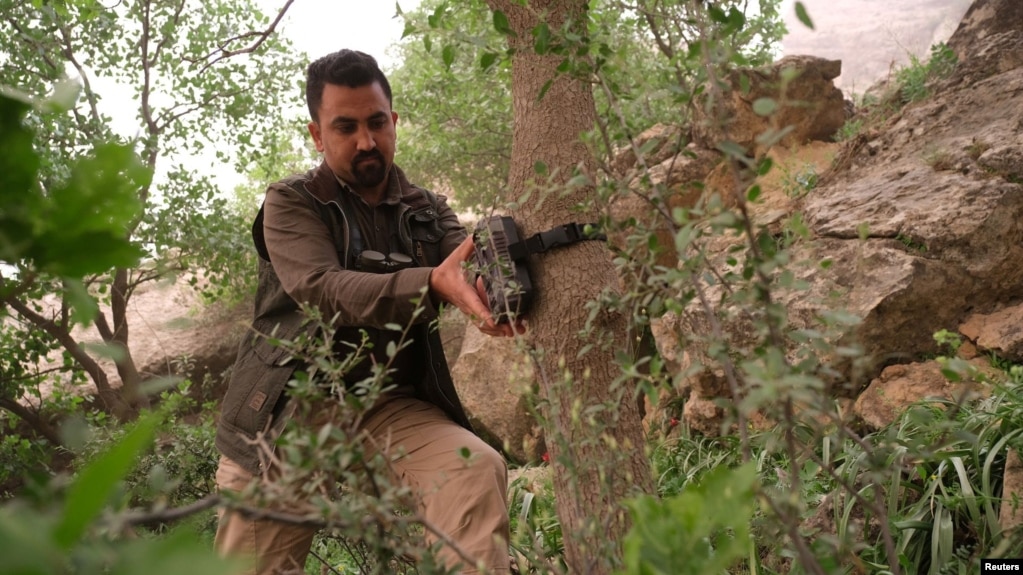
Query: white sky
x=319 y=27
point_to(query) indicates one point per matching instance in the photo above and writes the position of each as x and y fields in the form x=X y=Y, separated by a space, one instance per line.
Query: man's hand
x=448 y=283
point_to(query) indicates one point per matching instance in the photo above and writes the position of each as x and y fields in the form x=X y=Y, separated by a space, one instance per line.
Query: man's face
x=355 y=133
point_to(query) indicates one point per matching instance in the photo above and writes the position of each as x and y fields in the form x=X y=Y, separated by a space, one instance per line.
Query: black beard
x=369 y=175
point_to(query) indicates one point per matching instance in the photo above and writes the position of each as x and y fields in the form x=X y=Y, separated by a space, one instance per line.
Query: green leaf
x=706 y=528
x=90 y=493
x=501 y=23
x=487 y=60
x=732 y=149
x=543 y=91
x=803 y=15
x=764 y=106
x=541 y=38
x=754 y=193
x=448 y=55
x=84 y=307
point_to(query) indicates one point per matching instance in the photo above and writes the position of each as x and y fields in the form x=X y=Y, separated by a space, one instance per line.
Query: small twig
x=147 y=518
x=222 y=53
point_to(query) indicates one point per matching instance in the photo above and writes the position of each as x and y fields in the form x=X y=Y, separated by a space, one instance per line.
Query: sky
x=318 y=27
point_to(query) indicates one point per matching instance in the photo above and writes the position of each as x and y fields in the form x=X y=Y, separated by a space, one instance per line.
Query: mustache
x=371 y=155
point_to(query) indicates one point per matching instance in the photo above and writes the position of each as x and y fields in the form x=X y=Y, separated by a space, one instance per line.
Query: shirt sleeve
x=454 y=231
x=304 y=256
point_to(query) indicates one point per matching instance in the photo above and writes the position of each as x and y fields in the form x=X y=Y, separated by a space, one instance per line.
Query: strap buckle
x=555 y=237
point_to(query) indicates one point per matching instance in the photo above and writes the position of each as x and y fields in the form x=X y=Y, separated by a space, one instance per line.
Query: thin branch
x=39 y=46
x=223 y=53
x=163 y=43
x=139 y=518
x=169 y=116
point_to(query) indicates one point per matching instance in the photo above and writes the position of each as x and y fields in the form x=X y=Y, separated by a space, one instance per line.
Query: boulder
x=807 y=103
x=1000 y=332
x=900 y=386
x=493 y=376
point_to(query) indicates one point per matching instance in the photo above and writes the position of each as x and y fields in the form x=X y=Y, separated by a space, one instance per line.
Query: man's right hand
x=449 y=284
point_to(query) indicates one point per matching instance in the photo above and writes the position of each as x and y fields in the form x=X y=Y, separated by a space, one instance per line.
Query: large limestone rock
x=802 y=87
x=921 y=219
x=902 y=385
x=493 y=376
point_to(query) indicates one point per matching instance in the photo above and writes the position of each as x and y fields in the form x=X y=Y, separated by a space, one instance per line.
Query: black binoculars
x=374 y=262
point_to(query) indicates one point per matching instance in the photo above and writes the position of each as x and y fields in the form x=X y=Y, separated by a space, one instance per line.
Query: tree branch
x=33 y=419
x=223 y=53
x=60 y=333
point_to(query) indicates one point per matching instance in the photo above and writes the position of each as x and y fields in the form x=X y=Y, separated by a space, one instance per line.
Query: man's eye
x=377 y=124
x=346 y=128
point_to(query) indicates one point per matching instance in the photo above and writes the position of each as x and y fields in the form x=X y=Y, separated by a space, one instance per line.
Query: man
x=316 y=234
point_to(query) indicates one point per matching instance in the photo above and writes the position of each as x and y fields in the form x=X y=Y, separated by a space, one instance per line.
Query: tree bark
x=111 y=399
x=39 y=425
x=593 y=427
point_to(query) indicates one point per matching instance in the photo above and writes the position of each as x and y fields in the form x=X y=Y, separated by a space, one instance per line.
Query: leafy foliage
x=97 y=215
x=67 y=532
x=912 y=80
x=76 y=226
x=458 y=127
x=704 y=529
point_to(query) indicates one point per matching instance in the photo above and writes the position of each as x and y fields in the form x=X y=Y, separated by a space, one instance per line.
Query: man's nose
x=365 y=140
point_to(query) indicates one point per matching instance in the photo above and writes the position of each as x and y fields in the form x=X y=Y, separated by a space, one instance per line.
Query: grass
x=913 y=80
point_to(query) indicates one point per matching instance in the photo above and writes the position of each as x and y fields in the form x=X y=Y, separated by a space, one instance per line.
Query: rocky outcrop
x=805 y=106
x=900 y=386
x=921 y=221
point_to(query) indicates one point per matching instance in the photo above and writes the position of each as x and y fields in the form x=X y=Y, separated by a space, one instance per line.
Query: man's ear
x=394 y=118
x=314 y=131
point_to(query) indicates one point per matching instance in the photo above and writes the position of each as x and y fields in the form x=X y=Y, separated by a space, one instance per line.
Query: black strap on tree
x=555 y=237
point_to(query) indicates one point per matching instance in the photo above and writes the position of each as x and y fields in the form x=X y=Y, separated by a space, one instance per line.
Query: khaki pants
x=464 y=498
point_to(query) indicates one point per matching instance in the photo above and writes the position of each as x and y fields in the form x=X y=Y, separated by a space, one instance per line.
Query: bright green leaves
x=803 y=15
x=44 y=543
x=85 y=220
x=97 y=483
x=80 y=225
x=704 y=529
x=501 y=23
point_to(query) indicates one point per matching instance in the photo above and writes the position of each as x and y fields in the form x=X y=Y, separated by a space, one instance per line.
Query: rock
x=675 y=174
x=900 y=386
x=492 y=377
x=871 y=38
x=1000 y=332
x=1011 y=515
x=984 y=19
x=810 y=105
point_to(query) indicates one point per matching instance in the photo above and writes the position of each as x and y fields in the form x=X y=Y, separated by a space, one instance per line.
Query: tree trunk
x=130 y=377
x=593 y=427
x=39 y=425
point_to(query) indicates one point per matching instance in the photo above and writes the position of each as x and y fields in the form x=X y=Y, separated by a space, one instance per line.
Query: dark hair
x=343 y=68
